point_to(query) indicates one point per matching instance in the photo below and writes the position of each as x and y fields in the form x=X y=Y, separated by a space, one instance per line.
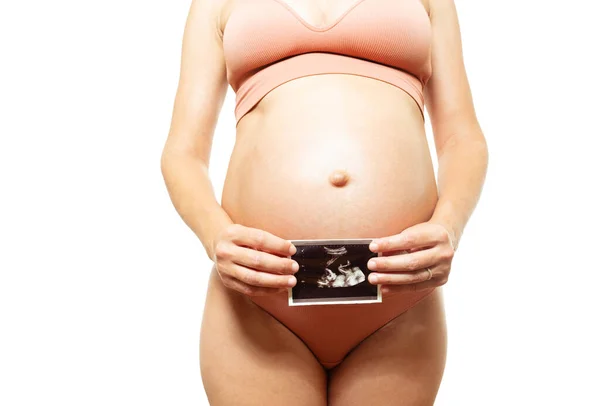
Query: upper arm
x=447 y=94
x=202 y=82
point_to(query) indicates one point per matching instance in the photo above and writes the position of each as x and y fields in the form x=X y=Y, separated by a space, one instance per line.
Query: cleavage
x=319 y=11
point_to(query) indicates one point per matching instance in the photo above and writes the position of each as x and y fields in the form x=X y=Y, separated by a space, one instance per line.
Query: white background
x=102 y=285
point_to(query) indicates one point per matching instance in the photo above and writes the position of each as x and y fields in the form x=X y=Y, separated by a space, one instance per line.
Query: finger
x=262 y=261
x=260 y=240
x=250 y=290
x=417 y=236
x=413 y=261
x=262 y=279
x=401 y=278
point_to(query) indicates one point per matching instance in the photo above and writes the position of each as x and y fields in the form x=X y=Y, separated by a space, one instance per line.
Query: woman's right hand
x=253 y=261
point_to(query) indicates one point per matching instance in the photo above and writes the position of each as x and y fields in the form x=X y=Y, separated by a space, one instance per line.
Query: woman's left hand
x=418 y=258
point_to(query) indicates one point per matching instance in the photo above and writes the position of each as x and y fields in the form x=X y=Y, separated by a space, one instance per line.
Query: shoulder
x=208 y=13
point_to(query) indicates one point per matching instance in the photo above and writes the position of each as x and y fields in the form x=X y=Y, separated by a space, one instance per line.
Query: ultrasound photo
x=333 y=272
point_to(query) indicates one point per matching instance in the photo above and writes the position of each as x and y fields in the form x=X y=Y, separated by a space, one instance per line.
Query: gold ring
x=430 y=273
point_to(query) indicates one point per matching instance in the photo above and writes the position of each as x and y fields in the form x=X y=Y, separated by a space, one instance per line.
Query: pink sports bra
x=266 y=43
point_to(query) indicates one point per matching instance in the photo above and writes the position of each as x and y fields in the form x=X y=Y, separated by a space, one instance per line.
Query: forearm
x=192 y=195
x=462 y=168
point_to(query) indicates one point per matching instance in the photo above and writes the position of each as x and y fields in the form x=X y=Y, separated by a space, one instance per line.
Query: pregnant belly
x=311 y=184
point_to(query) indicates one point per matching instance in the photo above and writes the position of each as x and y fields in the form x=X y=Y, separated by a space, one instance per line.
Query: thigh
x=400 y=364
x=249 y=358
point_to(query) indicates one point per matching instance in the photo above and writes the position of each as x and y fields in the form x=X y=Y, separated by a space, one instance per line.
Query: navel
x=339 y=178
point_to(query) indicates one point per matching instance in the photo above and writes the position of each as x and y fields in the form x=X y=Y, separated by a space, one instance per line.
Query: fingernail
x=372 y=264
x=295 y=266
x=373 y=278
x=292 y=249
x=291 y=281
x=374 y=246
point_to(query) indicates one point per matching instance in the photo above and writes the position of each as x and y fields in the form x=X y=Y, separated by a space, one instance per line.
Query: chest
x=321 y=14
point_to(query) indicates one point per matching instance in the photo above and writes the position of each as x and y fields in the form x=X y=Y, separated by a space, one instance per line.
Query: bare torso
x=331 y=156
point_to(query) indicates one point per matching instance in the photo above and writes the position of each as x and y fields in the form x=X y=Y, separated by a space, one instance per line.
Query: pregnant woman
x=330 y=143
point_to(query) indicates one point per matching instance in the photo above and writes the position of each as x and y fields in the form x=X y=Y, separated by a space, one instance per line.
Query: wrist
x=209 y=238
x=451 y=224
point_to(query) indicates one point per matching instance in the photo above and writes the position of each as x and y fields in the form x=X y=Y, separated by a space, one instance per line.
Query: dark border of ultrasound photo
x=333 y=272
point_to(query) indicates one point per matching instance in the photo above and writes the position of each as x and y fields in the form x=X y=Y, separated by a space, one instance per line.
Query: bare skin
x=356 y=148
x=400 y=364
x=248 y=358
